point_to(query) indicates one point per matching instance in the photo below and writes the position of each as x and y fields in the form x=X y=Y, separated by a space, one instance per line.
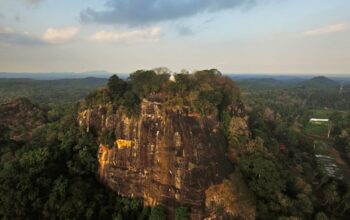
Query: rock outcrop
x=233 y=197
x=171 y=157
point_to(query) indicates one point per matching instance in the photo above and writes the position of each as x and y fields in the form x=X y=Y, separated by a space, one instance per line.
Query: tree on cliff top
x=117 y=87
x=144 y=82
x=206 y=92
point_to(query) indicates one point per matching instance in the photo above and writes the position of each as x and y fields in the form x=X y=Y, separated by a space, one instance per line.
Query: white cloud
x=51 y=36
x=11 y=36
x=139 y=35
x=62 y=35
x=327 y=29
x=6 y=30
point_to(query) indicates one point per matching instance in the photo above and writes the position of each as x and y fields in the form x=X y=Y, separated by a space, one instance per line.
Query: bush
x=182 y=213
x=158 y=213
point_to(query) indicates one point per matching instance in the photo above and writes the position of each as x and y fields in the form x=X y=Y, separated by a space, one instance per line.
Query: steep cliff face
x=171 y=157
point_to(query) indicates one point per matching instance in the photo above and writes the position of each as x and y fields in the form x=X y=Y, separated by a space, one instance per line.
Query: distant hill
x=58 y=75
x=268 y=82
x=263 y=83
x=49 y=91
x=319 y=82
x=282 y=77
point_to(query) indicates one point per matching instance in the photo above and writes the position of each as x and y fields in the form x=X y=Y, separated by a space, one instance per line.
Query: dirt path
x=337 y=157
x=343 y=166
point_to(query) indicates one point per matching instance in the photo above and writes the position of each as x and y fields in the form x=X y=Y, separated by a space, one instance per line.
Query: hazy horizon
x=106 y=75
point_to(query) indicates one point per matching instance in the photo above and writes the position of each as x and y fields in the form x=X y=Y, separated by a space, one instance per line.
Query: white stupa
x=172 y=78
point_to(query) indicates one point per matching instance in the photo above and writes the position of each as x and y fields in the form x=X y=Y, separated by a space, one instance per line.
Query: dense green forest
x=53 y=176
x=49 y=92
x=312 y=165
x=51 y=173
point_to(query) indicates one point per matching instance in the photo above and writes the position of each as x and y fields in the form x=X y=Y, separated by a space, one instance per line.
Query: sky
x=234 y=36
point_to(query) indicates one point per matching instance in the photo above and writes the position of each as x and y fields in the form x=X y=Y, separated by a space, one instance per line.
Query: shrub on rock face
x=158 y=213
x=182 y=213
x=321 y=216
x=4 y=132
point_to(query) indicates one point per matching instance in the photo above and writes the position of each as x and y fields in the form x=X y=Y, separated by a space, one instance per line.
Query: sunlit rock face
x=172 y=157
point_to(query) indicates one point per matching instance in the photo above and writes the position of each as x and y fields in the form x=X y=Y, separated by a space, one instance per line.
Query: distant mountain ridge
x=262 y=83
x=58 y=75
x=279 y=82
x=290 y=78
x=319 y=82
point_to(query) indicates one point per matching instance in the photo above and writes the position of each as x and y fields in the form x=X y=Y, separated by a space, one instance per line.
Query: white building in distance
x=318 y=120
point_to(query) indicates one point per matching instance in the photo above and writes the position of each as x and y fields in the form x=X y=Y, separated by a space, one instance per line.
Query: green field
x=322 y=147
x=317 y=129
x=321 y=113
